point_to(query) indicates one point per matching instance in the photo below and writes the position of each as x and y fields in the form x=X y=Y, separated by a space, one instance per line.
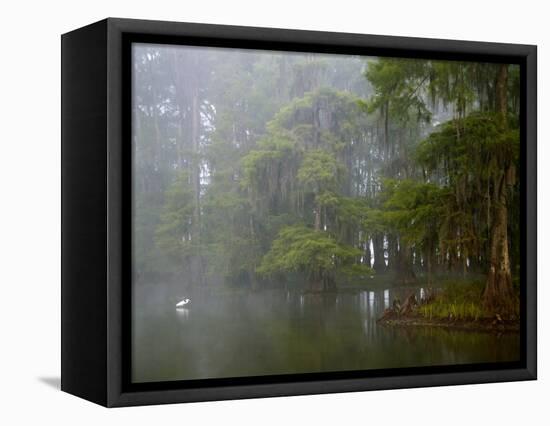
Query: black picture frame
x=96 y=207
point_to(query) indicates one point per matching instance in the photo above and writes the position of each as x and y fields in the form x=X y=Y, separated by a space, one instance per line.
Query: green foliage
x=147 y=210
x=324 y=118
x=469 y=155
x=351 y=210
x=319 y=171
x=301 y=249
x=475 y=147
x=471 y=311
x=413 y=209
x=398 y=85
x=403 y=87
x=259 y=165
x=457 y=301
x=230 y=247
x=269 y=174
x=174 y=232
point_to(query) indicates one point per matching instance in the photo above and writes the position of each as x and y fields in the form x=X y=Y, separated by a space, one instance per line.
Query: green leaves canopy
x=301 y=249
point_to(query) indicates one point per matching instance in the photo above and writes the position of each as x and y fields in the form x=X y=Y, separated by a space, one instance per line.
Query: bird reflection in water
x=183 y=313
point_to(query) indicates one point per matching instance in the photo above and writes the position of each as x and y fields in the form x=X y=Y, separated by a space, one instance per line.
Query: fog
x=273 y=190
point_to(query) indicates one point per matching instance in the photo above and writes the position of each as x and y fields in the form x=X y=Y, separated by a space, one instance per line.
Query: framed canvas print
x=252 y=212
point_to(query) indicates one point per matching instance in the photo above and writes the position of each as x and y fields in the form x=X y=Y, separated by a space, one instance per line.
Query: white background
x=30 y=211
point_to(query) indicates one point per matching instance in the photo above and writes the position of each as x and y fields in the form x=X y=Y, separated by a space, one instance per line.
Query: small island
x=457 y=305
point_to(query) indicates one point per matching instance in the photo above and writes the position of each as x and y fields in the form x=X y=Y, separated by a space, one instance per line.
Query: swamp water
x=278 y=332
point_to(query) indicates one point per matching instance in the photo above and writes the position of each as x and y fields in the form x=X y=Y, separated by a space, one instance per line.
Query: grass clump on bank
x=457 y=301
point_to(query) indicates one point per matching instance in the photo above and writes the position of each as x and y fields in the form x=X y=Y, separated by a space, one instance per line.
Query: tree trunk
x=317 y=213
x=387 y=131
x=502 y=92
x=329 y=283
x=428 y=265
x=405 y=273
x=499 y=295
x=196 y=171
x=393 y=262
x=316 y=281
x=378 y=246
x=253 y=280
x=429 y=269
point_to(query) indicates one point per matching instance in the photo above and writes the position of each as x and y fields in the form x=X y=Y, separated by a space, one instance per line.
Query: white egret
x=182 y=303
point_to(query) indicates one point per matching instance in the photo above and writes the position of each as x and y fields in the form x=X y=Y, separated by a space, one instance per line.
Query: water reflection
x=182 y=313
x=280 y=332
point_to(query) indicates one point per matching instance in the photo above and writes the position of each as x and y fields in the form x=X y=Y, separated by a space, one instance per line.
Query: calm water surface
x=279 y=332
